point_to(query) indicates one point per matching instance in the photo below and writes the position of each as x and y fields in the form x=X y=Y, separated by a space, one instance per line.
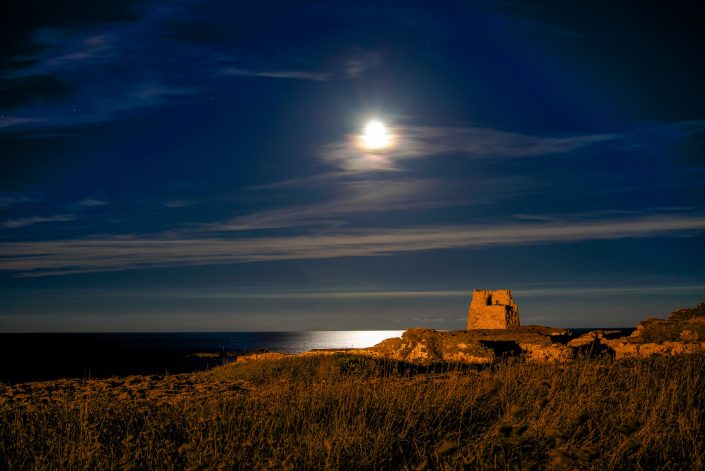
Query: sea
x=45 y=356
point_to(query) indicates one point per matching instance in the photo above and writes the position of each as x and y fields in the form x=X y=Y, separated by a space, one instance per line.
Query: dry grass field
x=347 y=412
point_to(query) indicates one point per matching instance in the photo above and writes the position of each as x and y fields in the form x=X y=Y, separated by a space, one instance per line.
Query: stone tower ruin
x=492 y=310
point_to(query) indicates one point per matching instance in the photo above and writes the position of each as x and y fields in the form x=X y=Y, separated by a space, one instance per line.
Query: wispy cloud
x=423 y=294
x=364 y=294
x=75 y=64
x=303 y=181
x=347 y=67
x=689 y=128
x=331 y=294
x=355 y=66
x=362 y=196
x=11 y=121
x=90 y=203
x=177 y=203
x=28 y=221
x=350 y=195
x=53 y=257
x=612 y=290
x=544 y=27
x=11 y=199
x=73 y=53
x=282 y=74
x=416 y=142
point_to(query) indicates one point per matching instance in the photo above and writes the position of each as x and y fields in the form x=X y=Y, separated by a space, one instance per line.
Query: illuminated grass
x=341 y=411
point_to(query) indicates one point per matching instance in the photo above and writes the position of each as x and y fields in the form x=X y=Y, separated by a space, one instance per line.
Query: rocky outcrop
x=492 y=310
x=426 y=346
x=683 y=332
x=686 y=324
x=623 y=348
x=595 y=336
x=533 y=344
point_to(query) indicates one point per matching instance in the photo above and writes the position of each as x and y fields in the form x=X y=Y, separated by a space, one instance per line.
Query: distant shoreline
x=47 y=356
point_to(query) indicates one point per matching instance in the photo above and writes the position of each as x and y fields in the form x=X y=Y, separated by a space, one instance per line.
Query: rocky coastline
x=683 y=332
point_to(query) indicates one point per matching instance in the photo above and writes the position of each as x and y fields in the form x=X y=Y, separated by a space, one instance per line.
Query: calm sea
x=35 y=357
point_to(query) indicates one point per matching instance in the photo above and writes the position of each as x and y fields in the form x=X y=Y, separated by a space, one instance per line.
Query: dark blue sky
x=195 y=165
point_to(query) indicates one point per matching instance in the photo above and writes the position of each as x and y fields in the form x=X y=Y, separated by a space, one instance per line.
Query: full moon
x=375 y=135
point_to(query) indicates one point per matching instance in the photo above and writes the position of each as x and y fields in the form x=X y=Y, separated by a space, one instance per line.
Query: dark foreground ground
x=346 y=412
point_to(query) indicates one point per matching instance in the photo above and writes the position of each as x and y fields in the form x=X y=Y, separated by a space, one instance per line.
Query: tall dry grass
x=345 y=412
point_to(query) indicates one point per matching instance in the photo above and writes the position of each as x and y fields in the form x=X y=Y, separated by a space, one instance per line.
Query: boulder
x=425 y=346
x=595 y=336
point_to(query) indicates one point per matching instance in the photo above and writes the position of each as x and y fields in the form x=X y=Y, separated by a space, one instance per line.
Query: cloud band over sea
x=123 y=252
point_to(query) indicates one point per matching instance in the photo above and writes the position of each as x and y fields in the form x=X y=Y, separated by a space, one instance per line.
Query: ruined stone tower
x=492 y=310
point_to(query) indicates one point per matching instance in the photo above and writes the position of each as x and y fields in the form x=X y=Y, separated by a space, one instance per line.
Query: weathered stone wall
x=492 y=310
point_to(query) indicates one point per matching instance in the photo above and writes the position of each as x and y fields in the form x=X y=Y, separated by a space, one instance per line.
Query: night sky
x=198 y=166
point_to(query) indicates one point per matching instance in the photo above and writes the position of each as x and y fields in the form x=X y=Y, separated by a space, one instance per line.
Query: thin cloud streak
x=408 y=294
x=177 y=203
x=91 y=203
x=282 y=74
x=55 y=257
x=12 y=199
x=622 y=290
x=332 y=294
x=416 y=142
x=349 y=67
x=23 y=222
x=361 y=197
x=373 y=196
x=352 y=294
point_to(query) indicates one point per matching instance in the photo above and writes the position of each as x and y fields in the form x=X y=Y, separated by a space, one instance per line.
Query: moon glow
x=375 y=136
